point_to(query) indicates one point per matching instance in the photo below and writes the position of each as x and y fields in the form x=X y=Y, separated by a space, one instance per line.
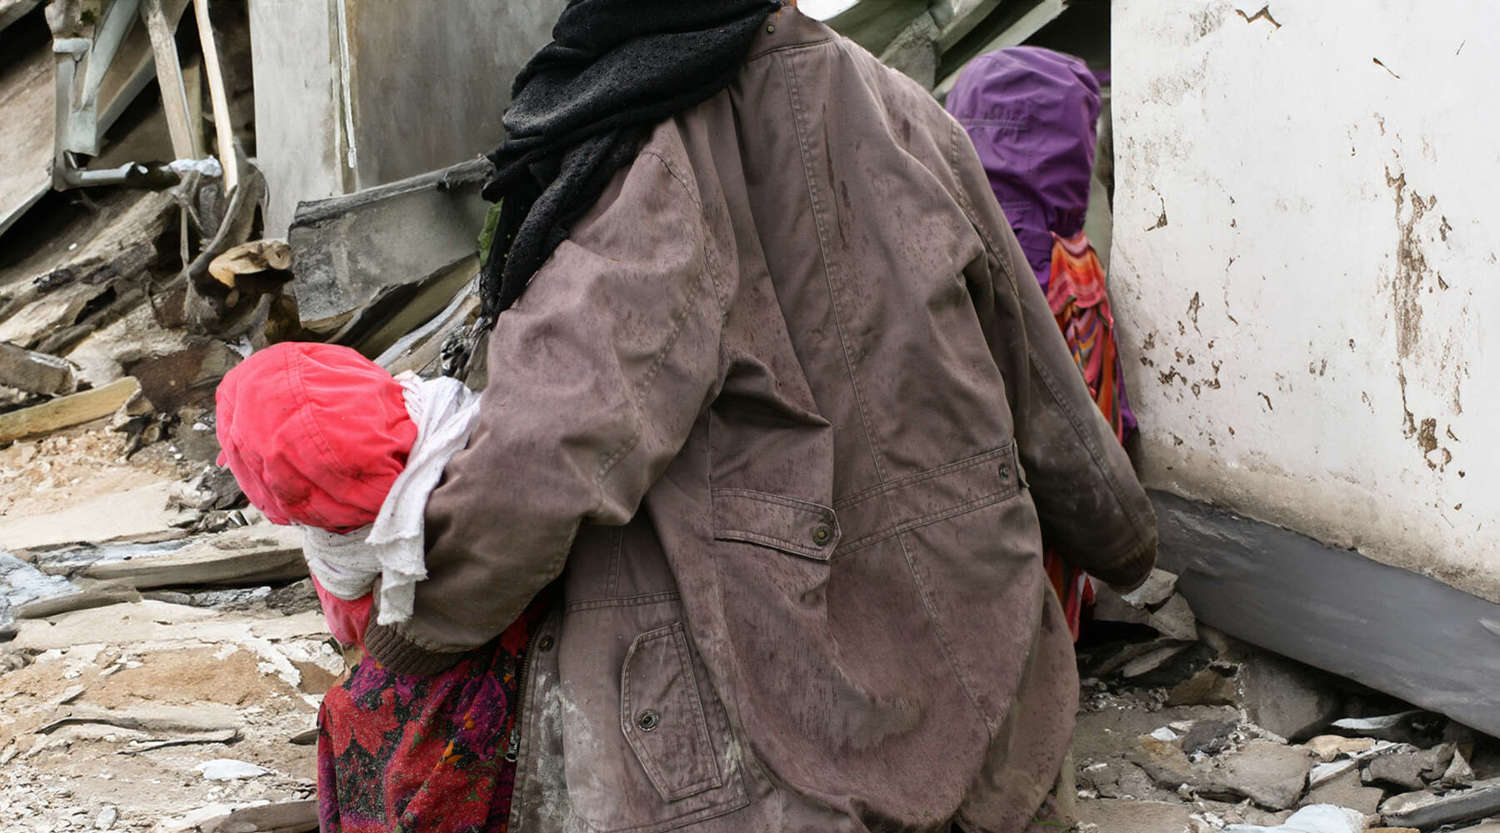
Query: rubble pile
x=162 y=655
x=1185 y=730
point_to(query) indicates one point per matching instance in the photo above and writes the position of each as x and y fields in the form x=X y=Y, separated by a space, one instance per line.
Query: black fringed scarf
x=582 y=106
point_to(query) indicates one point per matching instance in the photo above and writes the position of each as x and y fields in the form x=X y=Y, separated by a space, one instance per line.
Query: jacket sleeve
x=1092 y=508
x=596 y=377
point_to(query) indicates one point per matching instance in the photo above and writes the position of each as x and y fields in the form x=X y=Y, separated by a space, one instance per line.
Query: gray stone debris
x=1270 y=774
x=1116 y=816
x=1459 y=773
x=1401 y=770
x=1346 y=790
x=1286 y=697
x=1212 y=686
x=33 y=372
x=1159 y=587
x=1209 y=736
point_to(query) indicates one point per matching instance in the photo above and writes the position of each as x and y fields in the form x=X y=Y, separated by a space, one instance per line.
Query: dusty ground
x=1181 y=730
x=64 y=469
x=257 y=672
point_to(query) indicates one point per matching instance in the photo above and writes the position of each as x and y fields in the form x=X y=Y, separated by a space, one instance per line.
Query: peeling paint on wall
x=1327 y=216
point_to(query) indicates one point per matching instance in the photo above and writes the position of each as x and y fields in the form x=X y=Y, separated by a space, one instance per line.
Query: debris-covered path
x=161 y=670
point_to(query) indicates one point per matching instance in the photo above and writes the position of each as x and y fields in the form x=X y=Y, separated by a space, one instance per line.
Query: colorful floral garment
x=401 y=753
x=1076 y=293
x=1080 y=304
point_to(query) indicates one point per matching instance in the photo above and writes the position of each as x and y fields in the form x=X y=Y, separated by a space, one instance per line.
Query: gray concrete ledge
x=1393 y=630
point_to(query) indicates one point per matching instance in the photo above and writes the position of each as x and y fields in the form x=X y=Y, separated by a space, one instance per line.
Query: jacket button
x=822 y=534
x=1004 y=471
x=647 y=721
x=545 y=643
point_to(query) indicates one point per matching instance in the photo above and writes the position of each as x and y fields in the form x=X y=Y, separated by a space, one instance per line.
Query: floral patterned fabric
x=1080 y=303
x=401 y=753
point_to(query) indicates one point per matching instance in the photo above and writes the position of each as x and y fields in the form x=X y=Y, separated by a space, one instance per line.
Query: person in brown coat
x=776 y=416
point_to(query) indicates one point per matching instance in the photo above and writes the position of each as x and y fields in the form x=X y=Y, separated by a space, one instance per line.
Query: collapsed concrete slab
x=350 y=251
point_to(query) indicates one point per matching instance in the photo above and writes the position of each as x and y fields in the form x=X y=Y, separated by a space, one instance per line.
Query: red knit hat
x=314 y=433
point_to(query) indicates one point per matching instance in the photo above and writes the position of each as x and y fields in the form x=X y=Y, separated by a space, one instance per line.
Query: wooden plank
x=13 y=10
x=1395 y=631
x=26 y=97
x=67 y=411
x=132 y=69
x=223 y=126
x=169 y=80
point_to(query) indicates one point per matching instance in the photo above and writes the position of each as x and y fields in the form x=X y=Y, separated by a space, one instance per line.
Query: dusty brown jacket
x=787 y=414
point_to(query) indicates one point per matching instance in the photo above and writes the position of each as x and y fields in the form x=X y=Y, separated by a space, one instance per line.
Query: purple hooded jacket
x=1032 y=115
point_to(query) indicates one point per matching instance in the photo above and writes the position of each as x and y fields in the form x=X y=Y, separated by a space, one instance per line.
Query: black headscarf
x=583 y=104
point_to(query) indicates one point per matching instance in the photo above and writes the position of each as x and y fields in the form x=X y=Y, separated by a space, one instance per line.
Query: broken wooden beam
x=252 y=258
x=67 y=411
x=34 y=372
x=186 y=138
x=223 y=124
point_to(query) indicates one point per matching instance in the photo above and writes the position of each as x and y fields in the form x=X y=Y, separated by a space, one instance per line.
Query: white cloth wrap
x=393 y=547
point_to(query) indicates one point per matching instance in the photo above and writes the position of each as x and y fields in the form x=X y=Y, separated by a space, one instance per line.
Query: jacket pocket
x=662 y=716
x=793 y=526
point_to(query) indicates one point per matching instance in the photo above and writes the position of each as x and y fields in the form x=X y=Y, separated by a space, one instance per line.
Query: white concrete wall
x=1305 y=267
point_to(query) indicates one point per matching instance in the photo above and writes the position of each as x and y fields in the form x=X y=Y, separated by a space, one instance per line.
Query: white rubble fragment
x=228 y=769
x=1315 y=818
x=1164 y=734
x=1373 y=724
x=106 y=818
x=208 y=166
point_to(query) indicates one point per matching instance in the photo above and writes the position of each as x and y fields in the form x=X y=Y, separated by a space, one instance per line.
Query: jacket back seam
x=794 y=96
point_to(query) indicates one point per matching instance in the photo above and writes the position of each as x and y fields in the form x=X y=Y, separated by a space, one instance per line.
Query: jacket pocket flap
x=662 y=716
x=793 y=526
